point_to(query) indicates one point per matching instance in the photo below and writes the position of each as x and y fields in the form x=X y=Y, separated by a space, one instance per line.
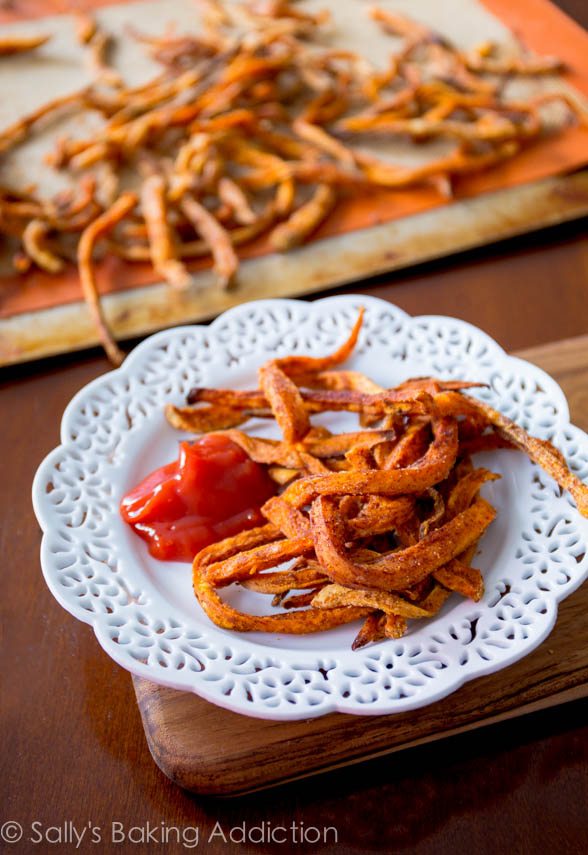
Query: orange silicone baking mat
x=537 y=24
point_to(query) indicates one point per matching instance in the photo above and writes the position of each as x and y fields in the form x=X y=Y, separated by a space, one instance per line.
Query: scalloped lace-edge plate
x=144 y=613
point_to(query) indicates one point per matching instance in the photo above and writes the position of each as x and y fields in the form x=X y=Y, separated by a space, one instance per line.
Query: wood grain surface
x=73 y=748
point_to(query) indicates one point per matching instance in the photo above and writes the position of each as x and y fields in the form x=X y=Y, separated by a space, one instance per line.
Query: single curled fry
x=397 y=570
x=15 y=43
x=339 y=595
x=91 y=234
x=299 y=622
x=285 y=402
x=161 y=244
x=215 y=237
x=33 y=238
x=539 y=451
x=305 y=220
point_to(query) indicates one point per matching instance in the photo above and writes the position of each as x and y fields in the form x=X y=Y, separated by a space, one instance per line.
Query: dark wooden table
x=73 y=748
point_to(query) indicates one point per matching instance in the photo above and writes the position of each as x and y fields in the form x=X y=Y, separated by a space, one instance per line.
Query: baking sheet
x=386 y=229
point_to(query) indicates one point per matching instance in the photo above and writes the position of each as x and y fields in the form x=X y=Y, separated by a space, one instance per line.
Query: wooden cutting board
x=207 y=749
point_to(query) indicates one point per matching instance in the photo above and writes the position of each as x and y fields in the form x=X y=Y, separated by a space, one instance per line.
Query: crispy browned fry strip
x=206 y=567
x=33 y=240
x=161 y=245
x=378 y=404
x=232 y=195
x=457 y=576
x=21 y=43
x=386 y=402
x=489 y=127
x=338 y=381
x=398 y=25
x=395 y=626
x=214 y=15
x=371 y=630
x=338 y=595
x=398 y=570
x=215 y=236
x=98 y=42
x=85 y=27
x=304 y=220
x=244 y=541
x=266 y=450
x=320 y=138
x=285 y=401
x=340 y=443
x=67 y=212
x=410 y=447
x=243 y=565
x=99 y=227
x=459 y=162
x=379 y=515
x=281 y=474
x=199 y=248
x=377 y=172
x=433 y=385
x=466 y=489
x=196 y=419
x=437 y=514
x=282 y=581
x=453 y=405
x=206 y=419
x=298 y=601
x=435 y=599
x=294 y=366
x=433 y=467
x=539 y=451
x=289 y=520
x=485 y=442
x=15 y=133
x=533 y=65
x=102 y=71
x=297 y=622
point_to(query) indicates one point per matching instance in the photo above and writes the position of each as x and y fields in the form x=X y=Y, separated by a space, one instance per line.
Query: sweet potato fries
x=254 y=126
x=380 y=524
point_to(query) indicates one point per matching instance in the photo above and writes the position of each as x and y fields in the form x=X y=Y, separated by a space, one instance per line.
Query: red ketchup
x=214 y=490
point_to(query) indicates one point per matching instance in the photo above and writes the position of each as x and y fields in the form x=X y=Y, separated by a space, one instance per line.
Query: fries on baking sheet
x=379 y=524
x=254 y=127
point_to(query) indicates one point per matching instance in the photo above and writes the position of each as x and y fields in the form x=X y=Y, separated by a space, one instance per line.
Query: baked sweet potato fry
x=91 y=234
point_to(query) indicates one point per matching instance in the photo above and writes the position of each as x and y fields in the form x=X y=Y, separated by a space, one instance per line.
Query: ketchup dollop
x=214 y=490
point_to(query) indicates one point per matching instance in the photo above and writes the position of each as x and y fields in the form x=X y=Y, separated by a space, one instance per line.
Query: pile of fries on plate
x=380 y=524
x=253 y=126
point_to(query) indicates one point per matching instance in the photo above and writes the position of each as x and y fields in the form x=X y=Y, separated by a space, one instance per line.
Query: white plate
x=143 y=611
